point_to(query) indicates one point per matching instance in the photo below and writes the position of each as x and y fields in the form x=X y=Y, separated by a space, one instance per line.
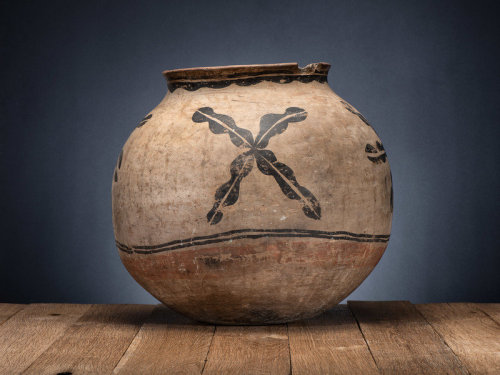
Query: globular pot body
x=252 y=195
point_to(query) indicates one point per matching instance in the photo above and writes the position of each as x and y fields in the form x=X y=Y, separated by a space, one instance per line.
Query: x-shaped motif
x=255 y=150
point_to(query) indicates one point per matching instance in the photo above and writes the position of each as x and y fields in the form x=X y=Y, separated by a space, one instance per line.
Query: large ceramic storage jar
x=252 y=195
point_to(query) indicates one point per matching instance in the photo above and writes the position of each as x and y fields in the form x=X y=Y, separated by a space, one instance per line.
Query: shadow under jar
x=252 y=195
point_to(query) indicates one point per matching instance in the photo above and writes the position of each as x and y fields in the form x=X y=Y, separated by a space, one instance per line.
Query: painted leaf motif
x=273 y=124
x=220 y=124
x=369 y=148
x=378 y=159
x=227 y=194
x=284 y=176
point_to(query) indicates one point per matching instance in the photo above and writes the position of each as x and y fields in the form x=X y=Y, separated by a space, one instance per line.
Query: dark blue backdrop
x=77 y=77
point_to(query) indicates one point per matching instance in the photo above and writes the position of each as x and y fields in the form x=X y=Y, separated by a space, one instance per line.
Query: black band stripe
x=191 y=85
x=260 y=231
x=252 y=234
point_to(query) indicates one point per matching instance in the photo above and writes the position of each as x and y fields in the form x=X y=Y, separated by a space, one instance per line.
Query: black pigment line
x=238 y=231
x=351 y=109
x=256 y=236
x=192 y=241
x=245 y=233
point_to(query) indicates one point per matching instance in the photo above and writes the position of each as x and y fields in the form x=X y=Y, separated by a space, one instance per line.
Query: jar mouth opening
x=229 y=72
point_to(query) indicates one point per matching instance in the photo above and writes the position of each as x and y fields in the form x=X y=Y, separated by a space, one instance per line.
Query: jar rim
x=228 y=72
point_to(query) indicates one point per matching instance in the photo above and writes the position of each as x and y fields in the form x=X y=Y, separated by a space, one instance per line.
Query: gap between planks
x=30 y=331
x=94 y=343
x=7 y=310
x=491 y=309
x=402 y=341
x=208 y=351
x=167 y=343
x=289 y=351
x=170 y=343
x=395 y=336
x=331 y=343
x=469 y=331
x=249 y=350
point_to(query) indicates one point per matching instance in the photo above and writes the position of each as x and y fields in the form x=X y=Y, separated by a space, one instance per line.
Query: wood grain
x=401 y=341
x=9 y=309
x=31 y=331
x=167 y=343
x=469 y=332
x=95 y=343
x=456 y=338
x=491 y=309
x=329 y=344
x=249 y=350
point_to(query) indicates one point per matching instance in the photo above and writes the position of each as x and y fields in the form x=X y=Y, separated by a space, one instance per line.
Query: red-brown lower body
x=255 y=281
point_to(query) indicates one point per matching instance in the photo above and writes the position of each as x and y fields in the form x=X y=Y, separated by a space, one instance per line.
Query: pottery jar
x=252 y=195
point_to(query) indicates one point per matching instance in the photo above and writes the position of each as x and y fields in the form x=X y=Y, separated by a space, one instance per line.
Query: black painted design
x=270 y=125
x=118 y=166
x=392 y=194
x=274 y=124
x=351 y=109
x=228 y=193
x=267 y=163
x=376 y=154
x=252 y=234
x=120 y=158
x=248 y=81
x=144 y=120
x=222 y=124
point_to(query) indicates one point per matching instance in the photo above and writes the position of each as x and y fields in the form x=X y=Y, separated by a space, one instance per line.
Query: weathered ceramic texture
x=232 y=227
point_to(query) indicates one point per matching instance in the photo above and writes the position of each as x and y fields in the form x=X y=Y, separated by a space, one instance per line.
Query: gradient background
x=77 y=77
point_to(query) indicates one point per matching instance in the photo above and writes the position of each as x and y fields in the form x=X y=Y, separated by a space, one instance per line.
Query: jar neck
x=244 y=75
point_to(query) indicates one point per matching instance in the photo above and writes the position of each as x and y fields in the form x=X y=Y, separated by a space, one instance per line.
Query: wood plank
x=27 y=334
x=469 y=332
x=9 y=309
x=167 y=343
x=249 y=350
x=329 y=344
x=491 y=309
x=95 y=343
x=401 y=341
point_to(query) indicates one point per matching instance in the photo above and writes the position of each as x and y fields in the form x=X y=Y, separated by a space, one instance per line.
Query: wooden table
x=357 y=338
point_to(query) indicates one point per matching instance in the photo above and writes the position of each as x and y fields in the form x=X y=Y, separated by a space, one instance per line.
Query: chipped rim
x=229 y=72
